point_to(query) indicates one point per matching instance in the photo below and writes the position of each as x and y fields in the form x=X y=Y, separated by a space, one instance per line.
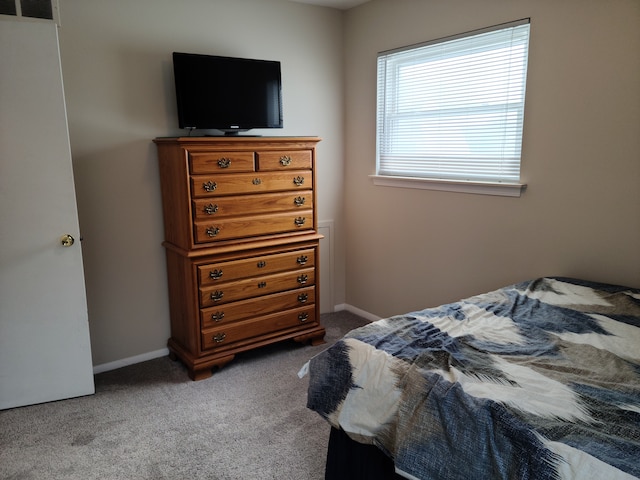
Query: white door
x=45 y=352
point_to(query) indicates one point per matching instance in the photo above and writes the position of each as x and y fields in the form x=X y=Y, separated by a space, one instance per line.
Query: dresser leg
x=196 y=375
x=201 y=373
x=315 y=338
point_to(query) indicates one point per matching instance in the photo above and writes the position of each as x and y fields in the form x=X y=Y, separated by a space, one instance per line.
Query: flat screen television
x=228 y=94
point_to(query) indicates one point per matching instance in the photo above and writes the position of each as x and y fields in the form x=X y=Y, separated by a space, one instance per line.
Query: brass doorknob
x=67 y=240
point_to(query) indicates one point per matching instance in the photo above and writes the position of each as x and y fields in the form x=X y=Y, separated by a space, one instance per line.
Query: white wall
x=405 y=249
x=116 y=59
x=580 y=215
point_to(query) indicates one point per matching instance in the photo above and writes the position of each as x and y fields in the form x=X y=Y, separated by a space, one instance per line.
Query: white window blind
x=453 y=108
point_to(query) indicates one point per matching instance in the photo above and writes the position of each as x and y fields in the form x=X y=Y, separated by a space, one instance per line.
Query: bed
x=537 y=380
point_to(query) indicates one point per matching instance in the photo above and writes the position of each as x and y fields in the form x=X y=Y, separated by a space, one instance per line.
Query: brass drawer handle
x=256 y=181
x=213 y=231
x=215 y=274
x=303 y=317
x=302 y=260
x=299 y=221
x=220 y=337
x=224 y=162
x=217 y=317
x=217 y=295
x=261 y=264
x=299 y=201
x=303 y=297
x=262 y=284
x=285 y=160
x=302 y=279
x=211 y=209
x=297 y=181
x=209 y=186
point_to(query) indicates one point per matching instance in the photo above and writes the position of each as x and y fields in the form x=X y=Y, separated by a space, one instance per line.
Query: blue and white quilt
x=539 y=380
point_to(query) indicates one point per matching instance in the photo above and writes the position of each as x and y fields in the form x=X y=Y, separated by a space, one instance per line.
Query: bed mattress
x=538 y=380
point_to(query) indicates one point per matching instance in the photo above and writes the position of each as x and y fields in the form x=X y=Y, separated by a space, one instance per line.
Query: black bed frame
x=350 y=460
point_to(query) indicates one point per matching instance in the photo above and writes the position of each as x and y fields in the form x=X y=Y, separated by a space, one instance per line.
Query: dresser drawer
x=242 y=183
x=221 y=162
x=284 y=160
x=251 y=226
x=221 y=272
x=206 y=208
x=220 y=337
x=236 y=311
x=257 y=286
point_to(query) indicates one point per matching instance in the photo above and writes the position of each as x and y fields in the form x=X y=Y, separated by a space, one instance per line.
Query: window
x=23 y=9
x=451 y=110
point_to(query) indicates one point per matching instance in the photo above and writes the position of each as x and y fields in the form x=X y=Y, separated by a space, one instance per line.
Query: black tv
x=228 y=94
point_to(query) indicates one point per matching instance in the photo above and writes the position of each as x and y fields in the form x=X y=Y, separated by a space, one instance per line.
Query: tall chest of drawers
x=242 y=245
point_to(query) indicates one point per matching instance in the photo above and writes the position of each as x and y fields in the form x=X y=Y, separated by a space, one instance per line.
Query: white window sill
x=480 y=188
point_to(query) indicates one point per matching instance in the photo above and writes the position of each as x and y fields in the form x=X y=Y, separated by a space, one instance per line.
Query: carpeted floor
x=149 y=421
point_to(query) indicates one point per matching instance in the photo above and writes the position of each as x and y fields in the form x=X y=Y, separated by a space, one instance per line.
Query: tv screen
x=227 y=93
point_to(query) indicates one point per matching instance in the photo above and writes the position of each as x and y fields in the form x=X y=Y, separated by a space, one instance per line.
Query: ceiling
x=340 y=4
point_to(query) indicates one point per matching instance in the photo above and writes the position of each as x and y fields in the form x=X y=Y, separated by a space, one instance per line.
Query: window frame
x=502 y=187
x=19 y=15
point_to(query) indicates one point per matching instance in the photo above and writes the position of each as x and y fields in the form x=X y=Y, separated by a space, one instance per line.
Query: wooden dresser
x=242 y=245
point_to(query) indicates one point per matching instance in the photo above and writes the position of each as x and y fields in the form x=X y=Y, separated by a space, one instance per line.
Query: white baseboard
x=125 y=362
x=356 y=311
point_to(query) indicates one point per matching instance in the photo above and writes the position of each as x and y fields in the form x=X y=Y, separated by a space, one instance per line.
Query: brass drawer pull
x=302 y=260
x=213 y=231
x=209 y=186
x=261 y=264
x=303 y=317
x=303 y=297
x=211 y=209
x=299 y=201
x=256 y=181
x=302 y=279
x=215 y=274
x=285 y=160
x=262 y=284
x=299 y=221
x=297 y=181
x=220 y=337
x=217 y=295
x=217 y=317
x=224 y=162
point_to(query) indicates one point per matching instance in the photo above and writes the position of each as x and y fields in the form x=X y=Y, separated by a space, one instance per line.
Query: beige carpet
x=149 y=421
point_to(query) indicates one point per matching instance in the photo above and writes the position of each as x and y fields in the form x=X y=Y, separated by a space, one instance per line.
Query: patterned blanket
x=539 y=380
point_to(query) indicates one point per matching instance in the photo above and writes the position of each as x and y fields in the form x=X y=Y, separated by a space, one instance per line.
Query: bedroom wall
x=580 y=215
x=116 y=59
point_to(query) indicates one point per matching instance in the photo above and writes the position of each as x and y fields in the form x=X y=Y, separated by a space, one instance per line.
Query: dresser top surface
x=232 y=140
